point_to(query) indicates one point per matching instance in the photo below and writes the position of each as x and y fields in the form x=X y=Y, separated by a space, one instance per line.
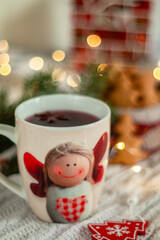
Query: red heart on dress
x=71 y=209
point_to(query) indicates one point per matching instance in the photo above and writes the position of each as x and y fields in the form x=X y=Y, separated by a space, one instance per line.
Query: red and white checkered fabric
x=71 y=209
x=123 y=27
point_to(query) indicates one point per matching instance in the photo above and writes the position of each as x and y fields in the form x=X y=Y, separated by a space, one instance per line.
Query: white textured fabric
x=151 y=139
x=144 y=115
x=17 y=221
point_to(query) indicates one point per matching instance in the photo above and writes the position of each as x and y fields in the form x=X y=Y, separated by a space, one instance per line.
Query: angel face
x=69 y=170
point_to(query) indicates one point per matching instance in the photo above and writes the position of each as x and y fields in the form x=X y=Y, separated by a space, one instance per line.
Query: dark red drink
x=62 y=118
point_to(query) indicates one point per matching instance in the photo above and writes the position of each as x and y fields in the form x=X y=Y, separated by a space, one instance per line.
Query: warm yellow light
x=102 y=68
x=4 y=58
x=59 y=75
x=36 y=63
x=58 y=55
x=4 y=46
x=156 y=73
x=93 y=40
x=120 y=145
x=158 y=64
x=5 y=69
x=73 y=80
x=136 y=168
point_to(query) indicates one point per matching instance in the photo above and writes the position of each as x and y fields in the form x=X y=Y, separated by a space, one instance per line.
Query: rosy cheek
x=57 y=169
x=80 y=170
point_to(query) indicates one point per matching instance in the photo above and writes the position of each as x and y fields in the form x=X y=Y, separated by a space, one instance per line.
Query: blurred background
x=75 y=33
x=108 y=49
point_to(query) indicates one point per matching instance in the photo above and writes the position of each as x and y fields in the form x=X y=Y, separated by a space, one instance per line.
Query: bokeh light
x=93 y=40
x=36 y=63
x=4 y=46
x=120 y=145
x=101 y=69
x=136 y=168
x=73 y=80
x=59 y=75
x=5 y=69
x=4 y=58
x=58 y=55
x=156 y=73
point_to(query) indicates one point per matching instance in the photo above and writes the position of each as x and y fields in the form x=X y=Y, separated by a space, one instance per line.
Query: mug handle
x=9 y=132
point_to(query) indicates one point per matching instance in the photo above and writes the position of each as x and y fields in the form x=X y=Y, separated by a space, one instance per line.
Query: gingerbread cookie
x=127 y=145
x=146 y=87
x=130 y=87
x=122 y=94
x=125 y=126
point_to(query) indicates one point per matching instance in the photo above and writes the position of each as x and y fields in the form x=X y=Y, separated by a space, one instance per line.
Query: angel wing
x=35 y=167
x=99 y=151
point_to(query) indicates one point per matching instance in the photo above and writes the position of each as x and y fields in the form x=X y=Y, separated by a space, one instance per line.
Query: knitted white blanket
x=17 y=221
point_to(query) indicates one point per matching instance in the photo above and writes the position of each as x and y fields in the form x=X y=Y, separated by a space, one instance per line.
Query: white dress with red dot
x=70 y=204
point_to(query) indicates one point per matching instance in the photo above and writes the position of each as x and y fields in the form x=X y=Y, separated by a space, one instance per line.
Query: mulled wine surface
x=62 y=118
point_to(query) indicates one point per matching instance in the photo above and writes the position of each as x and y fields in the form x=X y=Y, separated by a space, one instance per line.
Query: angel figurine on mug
x=66 y=179
x=69 y=197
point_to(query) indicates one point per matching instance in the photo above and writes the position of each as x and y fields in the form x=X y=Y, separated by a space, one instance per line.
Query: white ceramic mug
x=62 y=168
